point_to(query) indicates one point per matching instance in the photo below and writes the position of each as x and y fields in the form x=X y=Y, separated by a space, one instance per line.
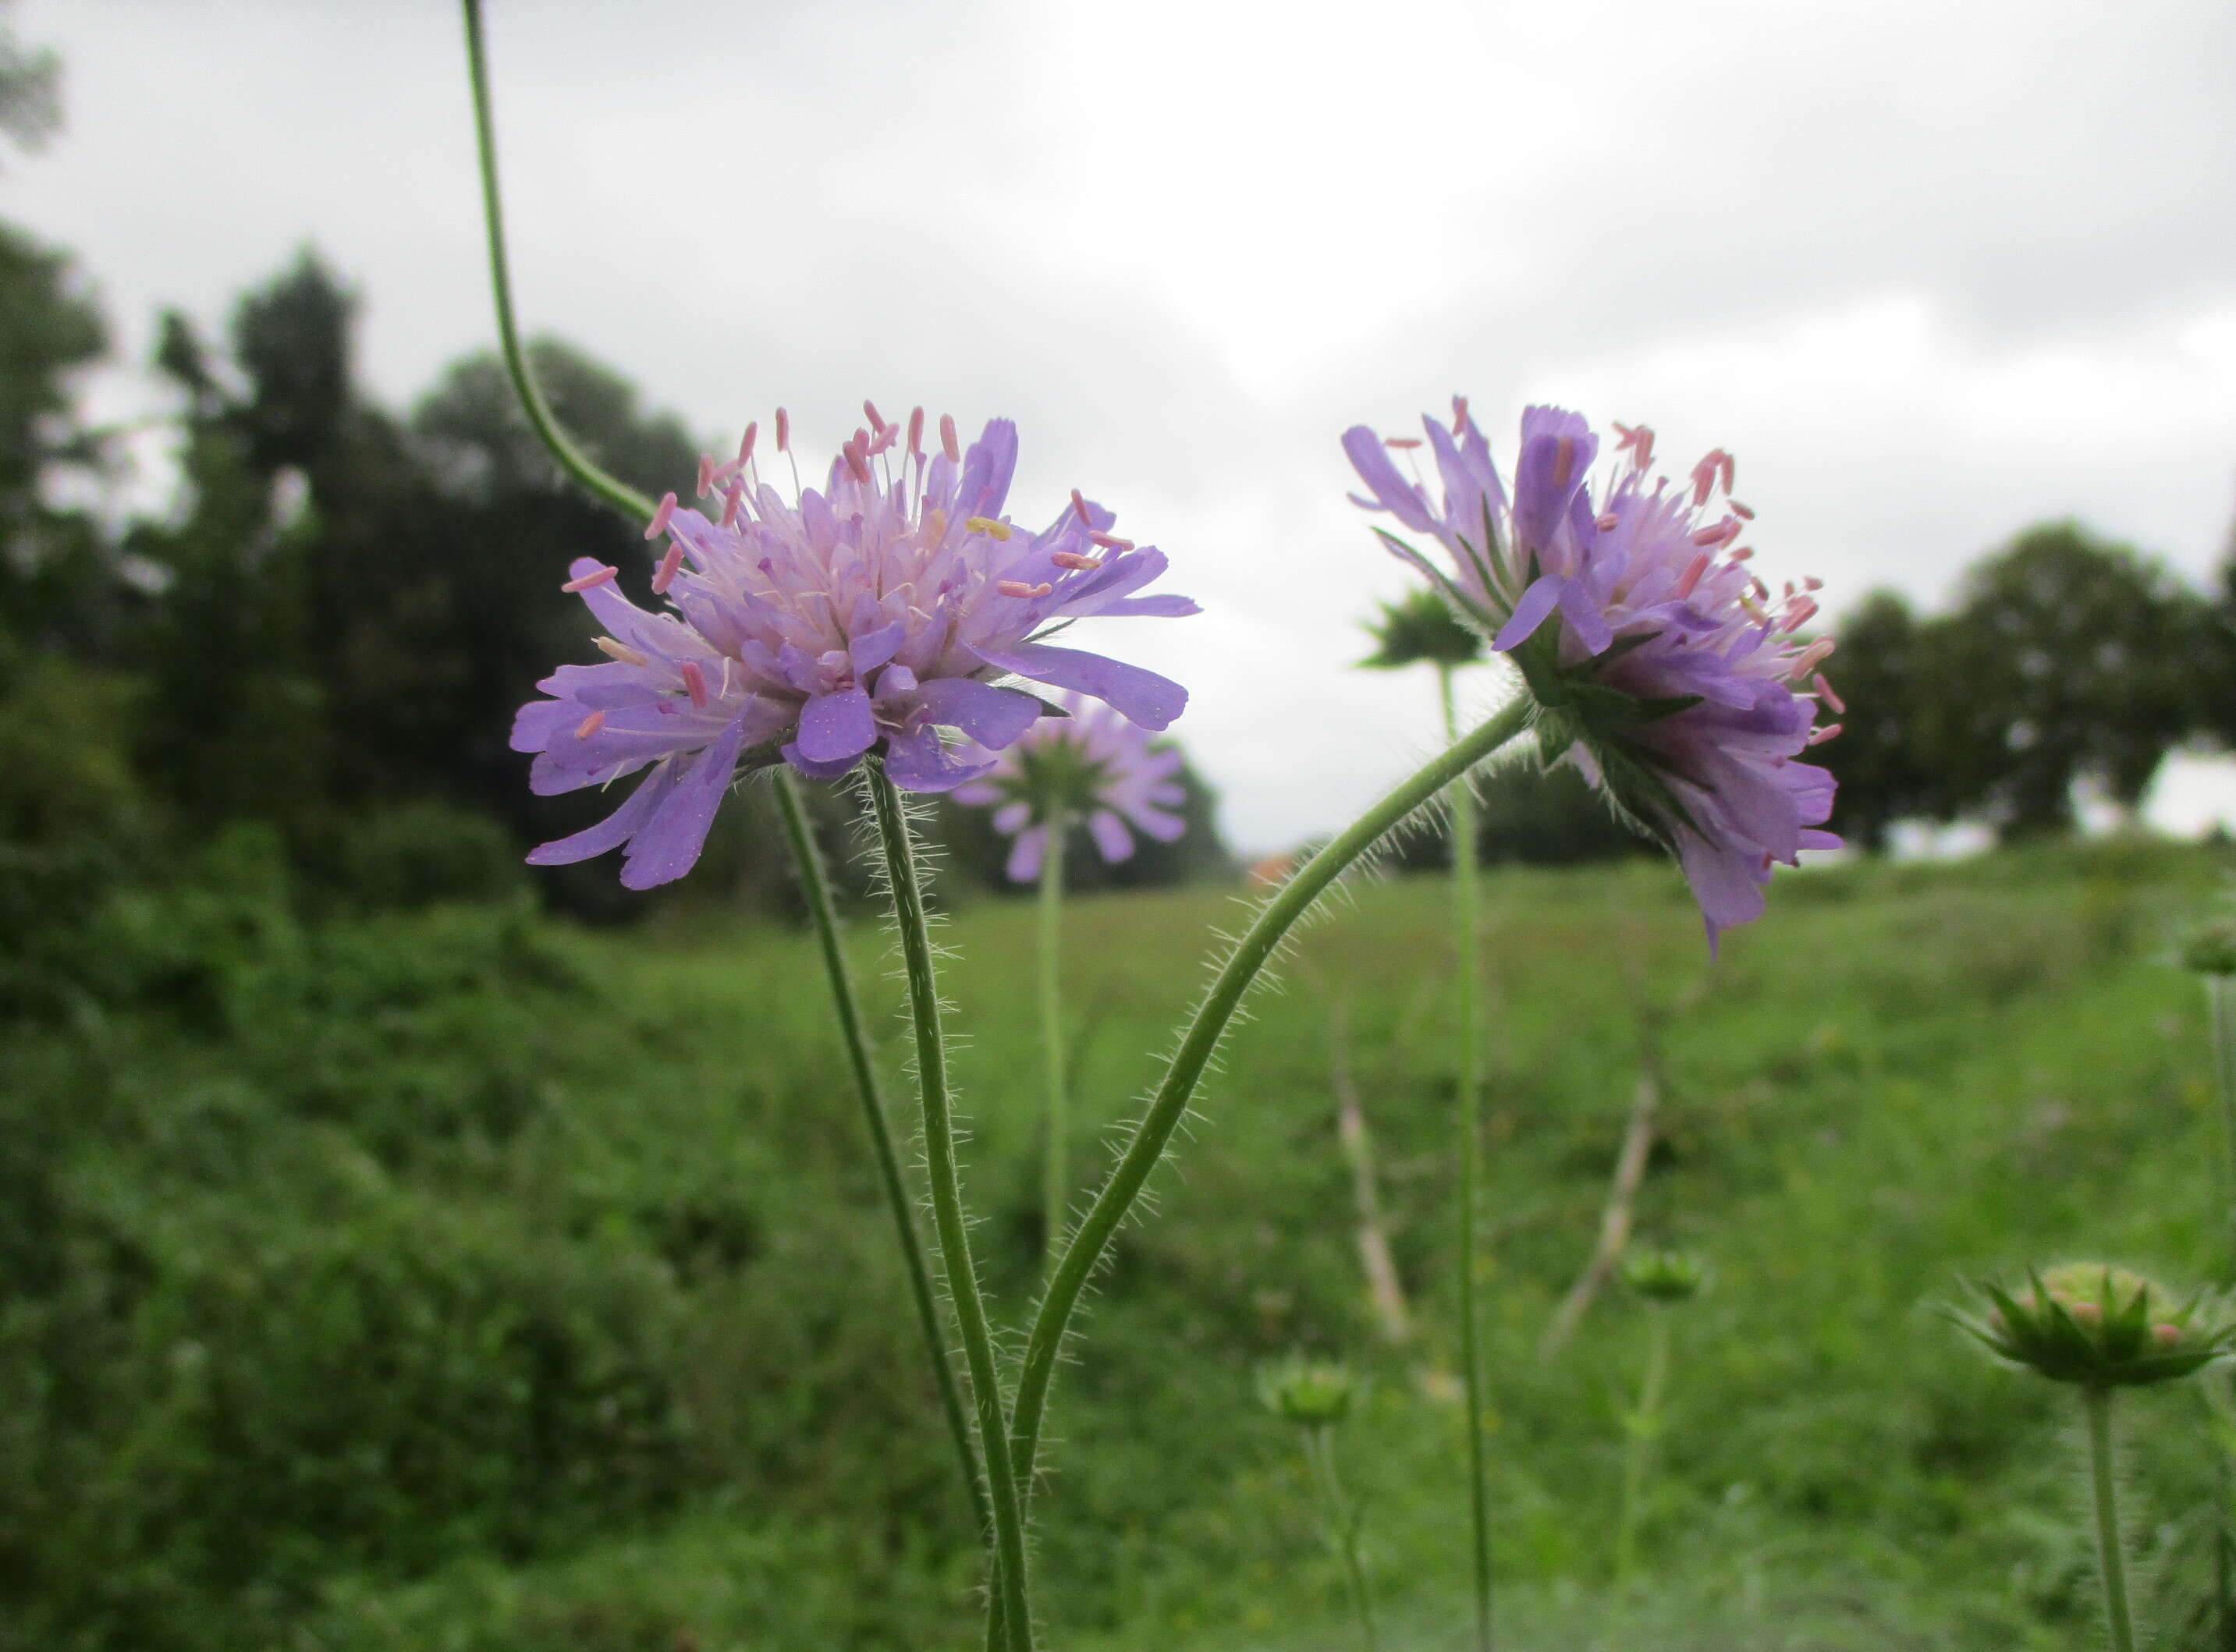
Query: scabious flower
x=1093 y=765
x=1661 y=666
x=858 y=621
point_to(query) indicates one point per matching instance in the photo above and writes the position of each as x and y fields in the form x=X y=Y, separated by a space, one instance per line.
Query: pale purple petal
x=1110 y=835
x=837 y=728
x=993 y=717
x=1024 y=863
x=669 y=844
x=1390 y=490
x=1153 y=702
x=1529 y=614
x=614 y=830
x=921 y=761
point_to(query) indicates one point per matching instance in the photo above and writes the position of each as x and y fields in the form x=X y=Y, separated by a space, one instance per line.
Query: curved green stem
x=1147 y=1145
x=1468 y=920
x=824 y=914
x=615 y=493
x=1055 y=1186
x=1645 y=1426
x=1341 y=1523
x=2111 y=1562
x=812 y=877
x=953 y=1228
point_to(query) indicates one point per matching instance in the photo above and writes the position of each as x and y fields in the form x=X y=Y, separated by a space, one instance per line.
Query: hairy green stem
x=1340 y=1522
x=1467 y=919
x=812 y=879
x=1115 y=1200
x=1055 y=1188
x=823 y=915
x=1010 y=1596
x=2219 y=1395
x=1644 y=1426
x=2111 y=1561
x=615 y=493
x=2220 y=1000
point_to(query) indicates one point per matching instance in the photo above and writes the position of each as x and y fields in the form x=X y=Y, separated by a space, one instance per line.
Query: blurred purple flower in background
x=1094 y=765
x=860 y=620
x=1668 y=673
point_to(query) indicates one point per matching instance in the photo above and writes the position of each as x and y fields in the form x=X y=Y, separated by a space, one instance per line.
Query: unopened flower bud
x=2101 y=1327
x=1665 y=1276
x=1313 y=1393
x=2210 y=949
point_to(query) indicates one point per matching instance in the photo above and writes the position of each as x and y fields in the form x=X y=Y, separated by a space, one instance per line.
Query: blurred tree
x=30 y=91
x=2070 y=659
x=1879 y=757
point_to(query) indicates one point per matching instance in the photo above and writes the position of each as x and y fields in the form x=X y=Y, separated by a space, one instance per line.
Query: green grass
x=461 y=1282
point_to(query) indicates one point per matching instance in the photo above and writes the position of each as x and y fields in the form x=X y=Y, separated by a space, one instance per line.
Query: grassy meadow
x=460 y=1281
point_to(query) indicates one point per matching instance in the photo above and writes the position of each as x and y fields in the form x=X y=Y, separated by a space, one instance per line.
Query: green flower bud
x=2101 y=1327
x=1313 y=1393
x=1665 y=1276
x=2210 y=948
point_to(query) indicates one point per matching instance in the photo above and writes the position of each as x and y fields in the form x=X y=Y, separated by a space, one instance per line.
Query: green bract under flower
x=2210 y=949
x=1420 y=628
x=1313 y=1393
x=1665 y=1276
x=2101 y=1327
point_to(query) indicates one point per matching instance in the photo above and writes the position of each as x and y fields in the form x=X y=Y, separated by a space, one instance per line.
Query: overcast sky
x=1931 y=271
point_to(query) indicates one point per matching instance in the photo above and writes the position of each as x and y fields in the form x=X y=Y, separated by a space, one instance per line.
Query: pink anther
x=1809 y=658
x=731 y=501
x=1073 y=560
x=1825 y=693
x=1564 y=461
x=1018 y=588
x=1745 y=513
x=1722 y=533
x=1704 y=475
x=1609 y=523
x=1079 y=505
x=660 y=518
x=1459 y=412
x=1801 y=614
x=695 y=683
x=1691 y=575
x=590 y=725
x=1625 y=434
x=706 y=477
x=1810 y=582
x=590 y=581
x=858 y=462
x=1111 y=541
x=1741 y=554
x=870 y=408
x=664 y=575
x=916 y=429
x=1403 y=443
x=1817 y=737
x=745 y=444
x=783 y=431
x=948 y=444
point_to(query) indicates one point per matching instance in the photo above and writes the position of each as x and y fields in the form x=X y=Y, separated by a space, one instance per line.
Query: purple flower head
x=1093 y=765
x=829 y=627
x=1661 y=666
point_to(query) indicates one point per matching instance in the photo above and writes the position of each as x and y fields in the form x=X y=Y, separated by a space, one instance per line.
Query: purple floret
x=861 y=621
x=1648 y=595
x=1093 y=765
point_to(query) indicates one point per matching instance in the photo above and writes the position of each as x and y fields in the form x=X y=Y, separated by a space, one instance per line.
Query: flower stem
x=1467 y=919
x=1340 y=1522
x=1644 y=1424
x=615 y=493
x=2220 y=998
x=1007 y=1560
x=2111 y=1563
x=1055 y=1192
x=1115 y=1200
x=823 y=915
